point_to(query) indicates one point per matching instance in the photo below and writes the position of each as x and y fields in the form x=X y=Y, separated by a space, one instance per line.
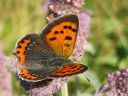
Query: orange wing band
x=20 y=51
x=69 y=69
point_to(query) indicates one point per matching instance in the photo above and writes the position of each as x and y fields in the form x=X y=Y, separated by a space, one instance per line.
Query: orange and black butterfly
x=45 y=55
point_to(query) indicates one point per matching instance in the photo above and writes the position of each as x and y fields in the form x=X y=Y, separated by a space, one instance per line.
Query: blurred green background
x=107 y=42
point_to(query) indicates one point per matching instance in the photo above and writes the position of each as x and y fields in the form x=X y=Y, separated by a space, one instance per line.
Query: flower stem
x=64 y=90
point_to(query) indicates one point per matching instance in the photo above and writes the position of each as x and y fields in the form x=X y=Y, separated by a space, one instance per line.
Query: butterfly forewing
x=33 y=56
x=32 y=48
x=61 y=34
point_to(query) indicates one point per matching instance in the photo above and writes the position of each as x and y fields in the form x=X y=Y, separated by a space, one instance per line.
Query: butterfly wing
x=33 y=57
x=31 y=74
x=69 y=69
x=61 y=34
x=32 y=48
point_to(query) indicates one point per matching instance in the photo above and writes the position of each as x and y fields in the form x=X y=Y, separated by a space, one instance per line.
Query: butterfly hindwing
x=69 y=69
x=25 y=74
x=61 y=34
x=34 y=74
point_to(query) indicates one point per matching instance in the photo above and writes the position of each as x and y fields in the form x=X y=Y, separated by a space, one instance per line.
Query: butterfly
x=45 y=55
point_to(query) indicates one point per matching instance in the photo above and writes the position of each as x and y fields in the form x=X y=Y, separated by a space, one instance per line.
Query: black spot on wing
x=73 y=30
x=56 y=32
x=19 y=46
x=22 y=41
x=52 y=39
x=61 y=31
x=68 y=38
x=65 y=27
x=69 y=27
x=67 y=45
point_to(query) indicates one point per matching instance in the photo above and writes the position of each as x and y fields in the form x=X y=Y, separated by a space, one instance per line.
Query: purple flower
x=117 y=84
x=84 y=22
x=43 y=88
x=5 y=77
x=61 y=7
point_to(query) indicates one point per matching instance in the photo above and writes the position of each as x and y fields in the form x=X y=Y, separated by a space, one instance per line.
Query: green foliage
x=107 y=43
